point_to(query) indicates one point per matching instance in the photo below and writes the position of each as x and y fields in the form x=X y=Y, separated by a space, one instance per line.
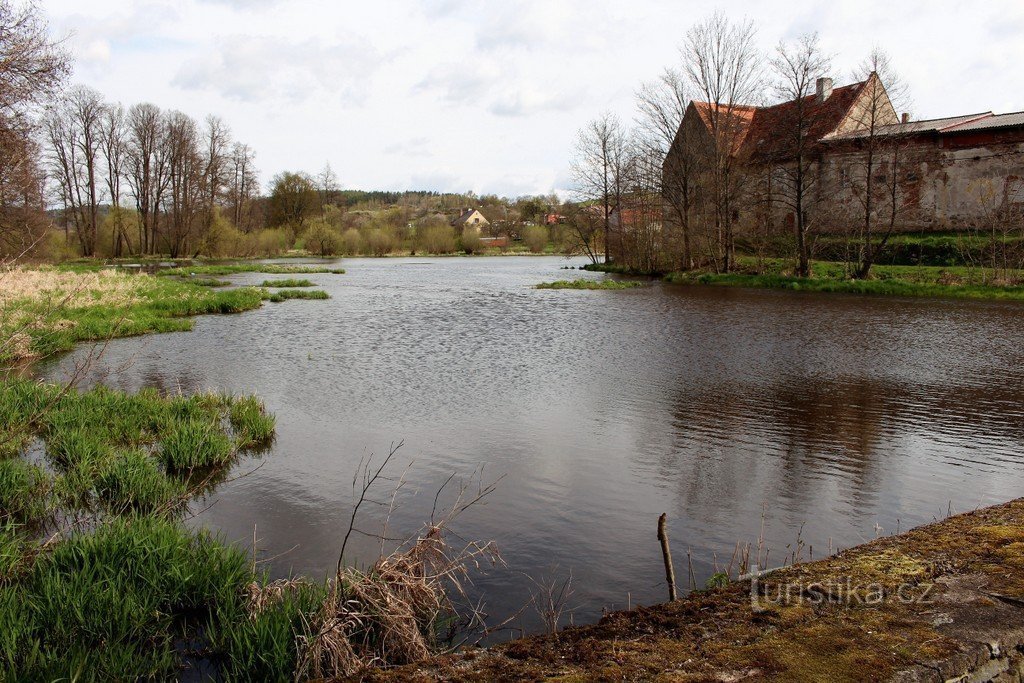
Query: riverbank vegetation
x=591 y=284
x=43 y=311
x=101 y=580
x=961 y=282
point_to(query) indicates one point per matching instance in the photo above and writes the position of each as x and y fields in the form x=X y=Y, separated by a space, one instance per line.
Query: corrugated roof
x=950 y=124
x=989 y=122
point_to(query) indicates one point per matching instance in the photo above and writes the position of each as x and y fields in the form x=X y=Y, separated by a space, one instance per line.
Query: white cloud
x=259 y=68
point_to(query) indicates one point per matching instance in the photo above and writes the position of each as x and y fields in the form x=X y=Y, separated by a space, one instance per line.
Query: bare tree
x=326 y=184
x=662 y=105
x=74 y=131
x=147 y=176
x=216 y=141
x=113 y=134
x=32 y=67
x=243 y=184
x=882 y=145
x=797 y=68
x=183 y=201
x=598 y=165
x=723 y=65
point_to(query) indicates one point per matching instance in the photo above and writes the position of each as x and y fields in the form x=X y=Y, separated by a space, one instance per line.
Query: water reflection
x=841 y=414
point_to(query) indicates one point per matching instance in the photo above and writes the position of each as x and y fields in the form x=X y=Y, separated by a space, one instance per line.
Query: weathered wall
x=943 y=182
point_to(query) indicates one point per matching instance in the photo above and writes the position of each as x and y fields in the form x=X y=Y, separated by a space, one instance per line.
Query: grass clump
x=287 y=282
x=23 y=492
x=195 y=444
x=252 y=424
x=134 y=483
x=286 y=294
x=591 y=284
x=909 y=281
x=106 y=605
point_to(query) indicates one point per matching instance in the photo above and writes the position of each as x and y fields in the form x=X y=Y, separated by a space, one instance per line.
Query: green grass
x=909 y=281
x=232 y=269
x=287 y=282
x=286 y=294
x=252 y=424
x=591 y=284
x=107 y=602
x=107 y=605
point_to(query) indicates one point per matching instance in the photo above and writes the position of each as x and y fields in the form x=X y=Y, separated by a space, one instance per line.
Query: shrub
x=436 y=239
x=195 y=444
x=471 y=240
x=320 y=238
x=536 y=238
x=380 y=241
x=352 y=242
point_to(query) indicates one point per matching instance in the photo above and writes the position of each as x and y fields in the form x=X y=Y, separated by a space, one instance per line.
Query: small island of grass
x=285 y=294
x=287 y=282
x=591 y=284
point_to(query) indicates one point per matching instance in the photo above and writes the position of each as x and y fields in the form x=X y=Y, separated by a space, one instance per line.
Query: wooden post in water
x=670 y=575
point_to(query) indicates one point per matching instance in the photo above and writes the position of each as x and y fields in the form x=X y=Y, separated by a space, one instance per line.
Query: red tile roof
x=759 y=127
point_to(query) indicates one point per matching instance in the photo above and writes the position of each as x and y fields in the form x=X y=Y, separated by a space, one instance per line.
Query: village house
x=470 y=218
x=937 y=174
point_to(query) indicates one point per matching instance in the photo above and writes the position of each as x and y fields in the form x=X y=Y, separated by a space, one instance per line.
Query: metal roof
x=950 y=124
x=994 y=121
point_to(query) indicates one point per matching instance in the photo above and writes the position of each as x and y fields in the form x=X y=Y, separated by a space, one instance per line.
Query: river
x=828 y=418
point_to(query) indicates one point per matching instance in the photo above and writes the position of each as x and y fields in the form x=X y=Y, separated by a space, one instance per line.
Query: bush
x=536 y=238
x=381 y=241
x=271 y=242
x=436 y=239
x=322 y=239
x=352 y=242
x=471 y=243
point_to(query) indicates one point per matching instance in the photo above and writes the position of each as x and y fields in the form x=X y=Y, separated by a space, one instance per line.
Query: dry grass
x=397 y=612
x=70 y=289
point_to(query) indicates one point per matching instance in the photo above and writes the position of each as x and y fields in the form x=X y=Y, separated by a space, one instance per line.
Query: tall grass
x=106 y=605
x=109 y=599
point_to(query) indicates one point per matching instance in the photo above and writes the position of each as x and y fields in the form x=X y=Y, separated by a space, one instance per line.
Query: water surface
x=844 y=416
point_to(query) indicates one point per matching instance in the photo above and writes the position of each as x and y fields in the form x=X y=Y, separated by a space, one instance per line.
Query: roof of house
x=823 y=118
x=466 y=214
x=759 y=126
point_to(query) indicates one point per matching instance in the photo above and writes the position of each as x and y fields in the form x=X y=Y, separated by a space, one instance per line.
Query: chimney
x=905 y=118
x=824 y=89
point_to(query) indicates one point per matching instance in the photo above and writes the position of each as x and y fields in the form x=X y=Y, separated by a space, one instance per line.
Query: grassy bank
x=911 y=281
x=44 y=311
x=98 y=578
x=590 y=284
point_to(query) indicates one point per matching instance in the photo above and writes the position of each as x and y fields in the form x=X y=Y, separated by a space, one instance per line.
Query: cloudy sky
x=456 y=95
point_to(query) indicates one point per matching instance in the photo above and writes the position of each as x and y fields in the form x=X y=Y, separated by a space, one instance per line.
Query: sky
x=458 y=95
